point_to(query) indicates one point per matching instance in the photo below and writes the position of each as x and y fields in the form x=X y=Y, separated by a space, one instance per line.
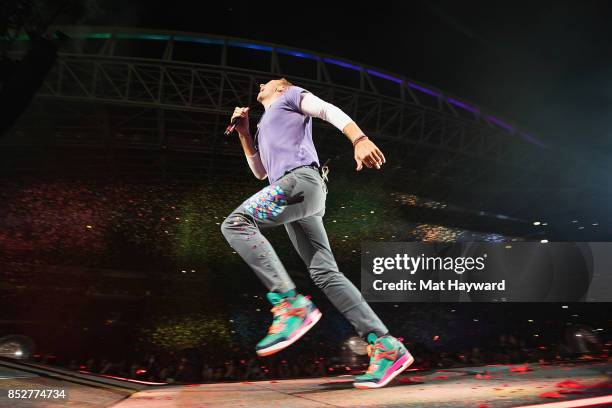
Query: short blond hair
x=285 y=82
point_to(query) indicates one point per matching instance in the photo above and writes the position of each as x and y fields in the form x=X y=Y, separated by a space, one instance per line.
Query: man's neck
x=266 y=104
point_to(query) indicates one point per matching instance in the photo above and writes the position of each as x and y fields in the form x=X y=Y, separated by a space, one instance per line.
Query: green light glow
x=90 y=35
x=143 y=37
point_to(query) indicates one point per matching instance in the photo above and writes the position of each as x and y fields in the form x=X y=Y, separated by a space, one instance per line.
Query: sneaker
x=293 y=317
x=388 y=358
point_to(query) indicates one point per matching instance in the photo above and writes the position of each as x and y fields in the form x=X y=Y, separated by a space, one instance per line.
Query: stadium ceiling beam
x=94 y=66
x=211 y=90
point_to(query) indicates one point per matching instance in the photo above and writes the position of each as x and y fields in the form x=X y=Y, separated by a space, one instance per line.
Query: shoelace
x=376 y=355
x=282 y=311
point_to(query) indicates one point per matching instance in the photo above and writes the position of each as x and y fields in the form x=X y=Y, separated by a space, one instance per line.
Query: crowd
x=138 y=226
x=188 y=370
x=98 y=239
x=193 y=366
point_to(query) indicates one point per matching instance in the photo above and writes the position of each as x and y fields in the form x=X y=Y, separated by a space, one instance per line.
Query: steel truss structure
x=168 y=95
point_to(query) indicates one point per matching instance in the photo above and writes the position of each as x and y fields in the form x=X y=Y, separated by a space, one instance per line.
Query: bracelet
x=359 y=139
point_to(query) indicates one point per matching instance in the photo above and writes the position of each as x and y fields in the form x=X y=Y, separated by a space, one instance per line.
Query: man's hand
x=367 y=153
x=242 y=127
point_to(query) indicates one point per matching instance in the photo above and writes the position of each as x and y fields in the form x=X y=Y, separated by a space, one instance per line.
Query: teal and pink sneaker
x=293 y=317
x=388 y=358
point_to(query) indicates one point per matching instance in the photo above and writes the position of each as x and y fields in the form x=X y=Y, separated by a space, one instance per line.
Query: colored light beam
x=424 y=90
x=463 y=105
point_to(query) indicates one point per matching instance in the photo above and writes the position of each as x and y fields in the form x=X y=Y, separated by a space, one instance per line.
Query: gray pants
x=297 y=200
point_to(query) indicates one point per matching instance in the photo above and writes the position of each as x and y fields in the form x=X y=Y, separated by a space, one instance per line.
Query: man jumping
x=284 y=152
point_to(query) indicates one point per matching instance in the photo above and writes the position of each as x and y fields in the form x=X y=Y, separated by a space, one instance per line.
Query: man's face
x=268 y=89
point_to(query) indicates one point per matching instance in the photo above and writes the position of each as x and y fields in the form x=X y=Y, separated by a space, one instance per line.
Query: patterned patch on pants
x=269 y=202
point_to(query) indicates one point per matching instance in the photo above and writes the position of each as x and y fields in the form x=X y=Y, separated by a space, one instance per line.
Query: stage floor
x=563 y=385
x=474 y=387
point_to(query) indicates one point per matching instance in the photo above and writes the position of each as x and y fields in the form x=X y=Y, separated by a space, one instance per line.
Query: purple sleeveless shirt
x=284 y=135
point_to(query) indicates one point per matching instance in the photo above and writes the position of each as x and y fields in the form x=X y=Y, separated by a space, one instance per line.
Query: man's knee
x=233 y=224
x=323 y=276
x=226 y=228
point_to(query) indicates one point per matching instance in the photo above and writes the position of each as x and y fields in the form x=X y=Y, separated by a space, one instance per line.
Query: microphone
x=230 y=128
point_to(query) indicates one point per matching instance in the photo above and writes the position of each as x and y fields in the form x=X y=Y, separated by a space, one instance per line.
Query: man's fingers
x=378 y=157
x=381 y=155
x=239 y=112
x=359 y=164
x=368 y=161
x=371 y=159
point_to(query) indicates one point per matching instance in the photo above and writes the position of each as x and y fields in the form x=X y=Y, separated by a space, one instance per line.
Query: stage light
x=296 y=53
x=384 y=76
x=357 y=345
x=501 y=124
x=424 y=90
x=156 y=37
x=463 y=105
x=250 y=45
x=536 y=223
x=342 y=64
x=201 y=40
x=16 y=346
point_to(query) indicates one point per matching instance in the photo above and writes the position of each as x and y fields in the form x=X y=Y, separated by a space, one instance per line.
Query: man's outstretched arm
x=366 y=151
x=246 y=141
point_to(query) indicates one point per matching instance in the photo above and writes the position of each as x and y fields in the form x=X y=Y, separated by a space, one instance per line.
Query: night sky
x=545 y=65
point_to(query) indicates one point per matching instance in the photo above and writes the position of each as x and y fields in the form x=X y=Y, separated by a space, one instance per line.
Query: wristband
x=359 y=139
